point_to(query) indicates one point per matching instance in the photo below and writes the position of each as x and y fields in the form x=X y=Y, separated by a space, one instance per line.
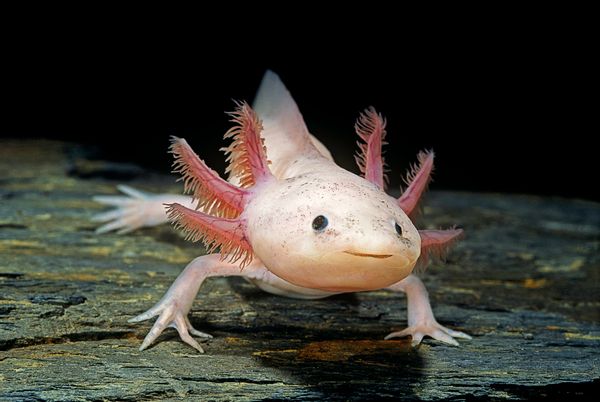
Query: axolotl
x=289 y=219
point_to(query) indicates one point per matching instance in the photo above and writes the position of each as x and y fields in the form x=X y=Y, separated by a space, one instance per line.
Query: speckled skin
x=359 y=250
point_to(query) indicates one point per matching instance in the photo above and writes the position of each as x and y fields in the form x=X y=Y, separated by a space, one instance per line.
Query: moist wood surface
x=524 y=283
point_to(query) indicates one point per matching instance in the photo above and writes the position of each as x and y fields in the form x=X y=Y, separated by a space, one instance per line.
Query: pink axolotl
x=289 y=219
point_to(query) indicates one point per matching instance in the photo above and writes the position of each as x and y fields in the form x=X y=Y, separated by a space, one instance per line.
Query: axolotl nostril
x=289 y=219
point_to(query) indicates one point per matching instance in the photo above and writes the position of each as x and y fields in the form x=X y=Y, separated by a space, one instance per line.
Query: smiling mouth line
x=368 y=255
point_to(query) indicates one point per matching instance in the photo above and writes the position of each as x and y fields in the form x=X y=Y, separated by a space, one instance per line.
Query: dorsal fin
x=274 y=103
x=284 y=130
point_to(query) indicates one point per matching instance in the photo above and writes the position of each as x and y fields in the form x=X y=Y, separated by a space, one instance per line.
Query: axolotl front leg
x=174 y=306
x=421 y=321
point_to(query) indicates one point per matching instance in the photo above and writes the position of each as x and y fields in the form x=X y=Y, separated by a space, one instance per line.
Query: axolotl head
x=333 y=231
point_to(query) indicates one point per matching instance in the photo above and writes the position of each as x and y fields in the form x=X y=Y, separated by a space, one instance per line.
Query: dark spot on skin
x=331 y=233
x=379 y=225
x=350 y=222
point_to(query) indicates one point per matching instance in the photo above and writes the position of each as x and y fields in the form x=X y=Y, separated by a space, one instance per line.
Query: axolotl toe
x=289 y=219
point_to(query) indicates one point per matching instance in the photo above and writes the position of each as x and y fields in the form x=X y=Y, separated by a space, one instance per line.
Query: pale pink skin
x=359 y=250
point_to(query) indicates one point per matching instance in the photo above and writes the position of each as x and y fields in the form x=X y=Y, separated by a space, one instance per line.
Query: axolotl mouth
x=368 y=255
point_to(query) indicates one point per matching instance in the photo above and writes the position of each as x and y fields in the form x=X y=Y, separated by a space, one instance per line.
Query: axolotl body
x=289 y=219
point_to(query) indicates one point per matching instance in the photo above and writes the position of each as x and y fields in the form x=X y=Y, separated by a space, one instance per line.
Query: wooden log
x=524 y=283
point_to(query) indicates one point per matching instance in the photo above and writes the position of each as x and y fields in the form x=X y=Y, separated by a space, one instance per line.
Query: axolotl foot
x=421 y=321
x=173 y=308
x=171 y=314
x=135 y=209
x=432 y=329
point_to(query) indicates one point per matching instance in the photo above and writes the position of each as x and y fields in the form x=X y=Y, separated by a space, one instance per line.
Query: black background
x=504 y=110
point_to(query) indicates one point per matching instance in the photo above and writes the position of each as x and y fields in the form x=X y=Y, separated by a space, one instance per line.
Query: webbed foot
x=170 y=314
x=131 y=211
x=432 y=329
x=134 y=209
x=421 y=321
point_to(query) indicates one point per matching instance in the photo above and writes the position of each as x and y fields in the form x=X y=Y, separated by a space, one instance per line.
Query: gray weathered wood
x=524 y=283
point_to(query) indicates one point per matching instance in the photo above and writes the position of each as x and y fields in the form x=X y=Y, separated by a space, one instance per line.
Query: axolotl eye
x=319 y=223
x=398 y=229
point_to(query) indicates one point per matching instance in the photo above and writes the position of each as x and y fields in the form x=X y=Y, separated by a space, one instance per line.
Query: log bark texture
x=524 y=283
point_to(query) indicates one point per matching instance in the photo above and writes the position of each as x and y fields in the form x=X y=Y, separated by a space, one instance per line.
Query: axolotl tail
x=286 y=136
